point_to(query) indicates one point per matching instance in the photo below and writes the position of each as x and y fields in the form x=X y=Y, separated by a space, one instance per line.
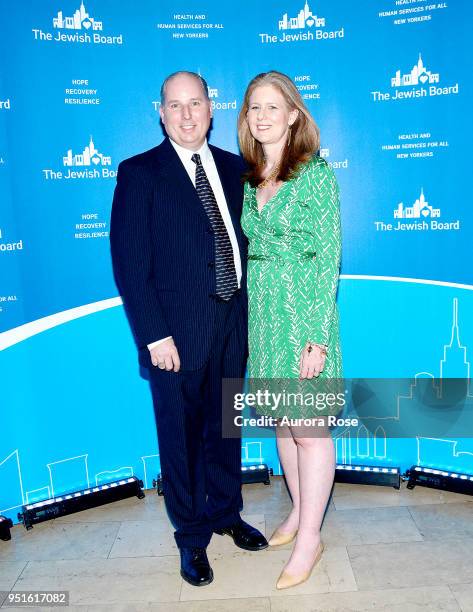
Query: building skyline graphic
x=14 y=457
x=212 y=91
x=420 y=208
x=125 y=471
x=363 y=445
x=305 y=18
x=252 y=452
x=454 y=353
x=444 y=448
x=418 y=75
x=90 y=155
x=80 y=19
x=351 y=444
x=147 y=460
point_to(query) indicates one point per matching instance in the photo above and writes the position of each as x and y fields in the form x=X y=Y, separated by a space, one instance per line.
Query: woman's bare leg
x=316 y=464
x=287 y=451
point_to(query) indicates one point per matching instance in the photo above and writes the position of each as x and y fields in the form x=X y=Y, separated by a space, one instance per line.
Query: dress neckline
x=255 y=190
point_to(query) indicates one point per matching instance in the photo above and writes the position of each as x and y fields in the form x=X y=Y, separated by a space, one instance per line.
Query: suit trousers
x=201 y=470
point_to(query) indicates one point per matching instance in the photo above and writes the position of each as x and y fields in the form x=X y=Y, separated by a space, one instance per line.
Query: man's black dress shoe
x=245 y=536
x=195 y=567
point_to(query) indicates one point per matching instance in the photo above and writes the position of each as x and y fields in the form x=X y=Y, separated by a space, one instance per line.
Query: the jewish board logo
x=78 y=21
x=215 y=100
x=7 y=246
x=418 y=82
x=219 y=104
x=306 y=25
x=420 y=216
x=90 y=163
x=80 y=27
x=419 y=75
x=334 y=164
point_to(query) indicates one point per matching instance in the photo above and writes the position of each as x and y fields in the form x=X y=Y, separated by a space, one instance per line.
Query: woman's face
x=268 y=115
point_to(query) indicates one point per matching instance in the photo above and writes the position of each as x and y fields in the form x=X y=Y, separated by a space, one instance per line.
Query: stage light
x=5 y=525
x=444 y=480
x=258 y=472
x=80 y=500
x=158 y=483
x=368 y=474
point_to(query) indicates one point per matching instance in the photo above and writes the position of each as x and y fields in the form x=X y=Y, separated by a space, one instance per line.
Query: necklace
x=271 y=176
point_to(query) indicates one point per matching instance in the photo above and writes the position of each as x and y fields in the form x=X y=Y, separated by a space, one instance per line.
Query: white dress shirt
x=185 y=155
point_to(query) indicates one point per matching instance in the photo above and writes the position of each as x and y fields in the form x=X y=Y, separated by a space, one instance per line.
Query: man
x=179 y=260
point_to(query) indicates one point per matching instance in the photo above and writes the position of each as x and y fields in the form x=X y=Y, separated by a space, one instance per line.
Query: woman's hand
x=312 y=361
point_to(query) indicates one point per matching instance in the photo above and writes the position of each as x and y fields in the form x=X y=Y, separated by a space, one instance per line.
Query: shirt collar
x=186 y=154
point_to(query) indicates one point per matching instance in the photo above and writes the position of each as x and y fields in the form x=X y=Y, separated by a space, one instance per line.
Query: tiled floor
x=385 y=550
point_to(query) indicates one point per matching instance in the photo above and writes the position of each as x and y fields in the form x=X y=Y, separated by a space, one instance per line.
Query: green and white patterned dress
x=293 y=268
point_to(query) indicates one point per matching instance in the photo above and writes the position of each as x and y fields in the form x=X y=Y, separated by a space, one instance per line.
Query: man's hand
x=165 y=356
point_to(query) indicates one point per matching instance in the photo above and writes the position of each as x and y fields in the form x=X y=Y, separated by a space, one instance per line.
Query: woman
x=291 y=219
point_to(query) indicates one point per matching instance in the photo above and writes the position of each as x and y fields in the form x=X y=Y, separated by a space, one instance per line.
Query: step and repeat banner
x=388 y=82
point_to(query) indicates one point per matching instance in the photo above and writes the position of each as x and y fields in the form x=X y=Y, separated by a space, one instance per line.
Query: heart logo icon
x=310 y=22
x=423 y=78
x=95 y=160
x=86 y=24
x=425 y=212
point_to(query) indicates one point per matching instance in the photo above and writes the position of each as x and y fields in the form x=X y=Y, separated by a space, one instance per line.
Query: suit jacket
x=162 y=249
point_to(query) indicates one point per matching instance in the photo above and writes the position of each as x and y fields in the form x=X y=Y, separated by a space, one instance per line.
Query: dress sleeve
x=323 y=193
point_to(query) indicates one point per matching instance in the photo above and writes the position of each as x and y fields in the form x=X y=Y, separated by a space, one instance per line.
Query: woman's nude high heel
x=286 y=580
x=279 y=538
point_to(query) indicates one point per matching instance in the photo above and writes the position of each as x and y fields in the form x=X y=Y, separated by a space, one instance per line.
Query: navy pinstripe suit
x=162 y=249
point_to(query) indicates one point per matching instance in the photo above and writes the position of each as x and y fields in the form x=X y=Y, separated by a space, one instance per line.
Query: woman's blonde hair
x=303 y=139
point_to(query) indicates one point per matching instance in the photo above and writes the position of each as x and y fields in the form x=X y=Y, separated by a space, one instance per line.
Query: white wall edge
x=23 y=332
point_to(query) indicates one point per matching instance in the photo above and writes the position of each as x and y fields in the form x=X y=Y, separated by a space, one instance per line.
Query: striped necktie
x=225 y=273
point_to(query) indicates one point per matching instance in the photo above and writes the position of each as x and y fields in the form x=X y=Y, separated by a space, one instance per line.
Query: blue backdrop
x=389 y=84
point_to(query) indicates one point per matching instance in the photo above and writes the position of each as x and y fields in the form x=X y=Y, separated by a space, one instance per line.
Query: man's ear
x=161 y=112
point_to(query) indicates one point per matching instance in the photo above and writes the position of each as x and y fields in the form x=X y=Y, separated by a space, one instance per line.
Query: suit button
x=211 y=265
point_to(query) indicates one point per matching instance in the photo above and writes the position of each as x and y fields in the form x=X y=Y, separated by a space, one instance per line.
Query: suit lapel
x=172 y=171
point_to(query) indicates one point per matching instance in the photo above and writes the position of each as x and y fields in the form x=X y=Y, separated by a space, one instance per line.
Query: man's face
x=186 y=112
